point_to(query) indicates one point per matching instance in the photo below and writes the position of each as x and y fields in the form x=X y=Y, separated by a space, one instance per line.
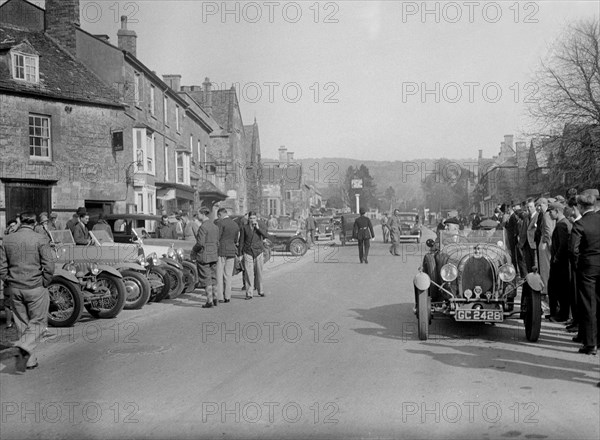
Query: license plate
x=478 y=315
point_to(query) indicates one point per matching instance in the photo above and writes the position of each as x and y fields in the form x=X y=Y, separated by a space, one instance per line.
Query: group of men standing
x=560 y=238
x=218 y=244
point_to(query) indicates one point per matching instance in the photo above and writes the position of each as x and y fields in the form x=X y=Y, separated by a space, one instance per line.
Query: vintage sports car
x=324 y=228
x=470 y=278
x=410 y=226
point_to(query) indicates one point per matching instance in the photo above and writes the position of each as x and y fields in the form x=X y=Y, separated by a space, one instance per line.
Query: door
x=27 y=196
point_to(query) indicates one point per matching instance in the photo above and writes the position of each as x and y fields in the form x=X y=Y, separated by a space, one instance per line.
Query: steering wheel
x=453 y=239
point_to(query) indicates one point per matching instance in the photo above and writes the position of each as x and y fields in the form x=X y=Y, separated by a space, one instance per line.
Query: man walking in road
x=394 y=227
x=363 y=231
x=384 y=228
x=206 y=254
x=251 y=249
x=228 y=237
x=26 y=266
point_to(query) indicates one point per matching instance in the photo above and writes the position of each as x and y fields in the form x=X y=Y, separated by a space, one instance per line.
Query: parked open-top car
x=470 y=278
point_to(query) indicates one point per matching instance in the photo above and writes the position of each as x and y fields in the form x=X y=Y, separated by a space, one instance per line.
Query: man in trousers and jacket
x=394 y=227
x=251 y=249
x=560 y=268
x=26 y=266
x=102 y=225
x=585 y=253
x=206 y=253
x=543 y=240
x=229 y=233
x=81 y=235
x=363 y=232
x=530 y=247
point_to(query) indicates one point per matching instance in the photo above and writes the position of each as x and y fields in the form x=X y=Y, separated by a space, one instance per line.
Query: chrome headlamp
x=94 y=269
x=153 y=258
x=507 y=273
x=179 y=252
x=142 y=260
x=449 y=272
x=171 y=253
x=71 y=268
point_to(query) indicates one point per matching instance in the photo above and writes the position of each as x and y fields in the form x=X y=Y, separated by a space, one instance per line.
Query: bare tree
x=567 y=104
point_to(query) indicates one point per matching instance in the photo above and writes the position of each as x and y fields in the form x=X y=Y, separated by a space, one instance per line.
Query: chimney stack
x=522 y=153
x=127 y=39
x=282 y=154
x=173 y=81
x=480 y=154
x=290 y=157
x=62 y=21
x=207 y=95
x=102 y=37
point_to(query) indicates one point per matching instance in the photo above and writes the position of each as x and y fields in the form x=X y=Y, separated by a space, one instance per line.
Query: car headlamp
x=171 y=253
x=468 y=293
x=71 y=268
x=153 y=258
x=94 y=269
x=478 y=291
x=179 y=253
x=449 y=272
x=141 y=260
x=507 y=273
x=500 y=243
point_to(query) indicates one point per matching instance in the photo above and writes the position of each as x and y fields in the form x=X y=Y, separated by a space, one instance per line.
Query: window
x=152 y=102
x=183 y=168
x=177 y=117
x=145 y=199
x=273 y=207
x=199 y=148
x=39 y=137
x=288 y=195
x=136 y=88
x=139 y=198
x=143 y=146
x=25 y=67
x=191 y=143
x=166 y=162
x=166 y=110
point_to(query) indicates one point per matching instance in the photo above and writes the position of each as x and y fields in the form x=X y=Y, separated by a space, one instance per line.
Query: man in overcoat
x=229 y=233
x=363 y=231
x=560 y=267
x=206 y=252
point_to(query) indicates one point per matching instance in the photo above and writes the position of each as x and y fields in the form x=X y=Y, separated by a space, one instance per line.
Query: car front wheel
x=298 y=247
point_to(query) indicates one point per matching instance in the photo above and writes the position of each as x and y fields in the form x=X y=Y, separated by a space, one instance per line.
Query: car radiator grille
x=476 y=272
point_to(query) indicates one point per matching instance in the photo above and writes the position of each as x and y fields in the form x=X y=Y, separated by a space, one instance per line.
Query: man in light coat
x=229 y=233
x=205 y=251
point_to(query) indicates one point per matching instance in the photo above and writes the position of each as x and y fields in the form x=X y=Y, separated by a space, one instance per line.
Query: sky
x=369 y=80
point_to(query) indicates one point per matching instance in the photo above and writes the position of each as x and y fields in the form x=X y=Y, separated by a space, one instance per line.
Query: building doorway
x=25 y=195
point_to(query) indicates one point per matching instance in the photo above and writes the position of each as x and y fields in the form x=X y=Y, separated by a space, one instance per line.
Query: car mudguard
x=133 y=266
x=61 y=273
x=172 y=262
x=111 y=270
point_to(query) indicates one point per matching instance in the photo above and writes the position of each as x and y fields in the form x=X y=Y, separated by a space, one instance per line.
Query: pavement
x=331 y=352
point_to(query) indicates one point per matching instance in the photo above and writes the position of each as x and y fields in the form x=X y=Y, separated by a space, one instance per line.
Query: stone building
x=503 y=178
x=57 y=131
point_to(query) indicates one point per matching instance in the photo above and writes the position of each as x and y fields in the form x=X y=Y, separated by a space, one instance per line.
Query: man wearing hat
x=74 y=220
x=53 y=224
x=585 y=250
x=512 y=233
x=594 y=192
x=560 y=268
x=42 y=226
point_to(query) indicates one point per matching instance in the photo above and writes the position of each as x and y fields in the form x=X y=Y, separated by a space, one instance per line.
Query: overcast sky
x=361 y=67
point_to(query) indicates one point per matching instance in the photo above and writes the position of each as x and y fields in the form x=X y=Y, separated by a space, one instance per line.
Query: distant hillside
x=404 y=177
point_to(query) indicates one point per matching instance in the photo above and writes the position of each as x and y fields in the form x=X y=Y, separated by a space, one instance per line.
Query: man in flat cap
x=594 y=192
x=585 y=252
x=560 y=268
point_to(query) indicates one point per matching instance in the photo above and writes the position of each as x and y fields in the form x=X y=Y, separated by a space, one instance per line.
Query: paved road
x=331 y=352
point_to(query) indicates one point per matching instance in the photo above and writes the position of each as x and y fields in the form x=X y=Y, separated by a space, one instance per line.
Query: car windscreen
x=492 y=236
x=101 y=236
x=64 y=237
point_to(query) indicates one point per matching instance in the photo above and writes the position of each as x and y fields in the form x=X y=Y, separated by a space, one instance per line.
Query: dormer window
x=25 y=67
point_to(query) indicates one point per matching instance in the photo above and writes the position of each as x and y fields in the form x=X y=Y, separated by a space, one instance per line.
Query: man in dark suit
x=512 y=233
x=206 y=253
x=81 y=235
x=229 y=233
x=560 y=268
x=585 y=250
x=543 y=240
x=165 y=230
x=251 y=249
x=530 y=248
x=363 y=231
x=26 y=266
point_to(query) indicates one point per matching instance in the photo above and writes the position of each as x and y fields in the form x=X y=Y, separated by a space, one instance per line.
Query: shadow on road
x=398 y=322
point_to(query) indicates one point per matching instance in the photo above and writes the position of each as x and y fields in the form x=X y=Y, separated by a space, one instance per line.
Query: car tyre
x=118 y=295
x=190 y=276
x=137 y=287
x=66 y=303
x=297 y=247
x=158 y=295
x=533 y=313
x=176 y=278
x=423 y=313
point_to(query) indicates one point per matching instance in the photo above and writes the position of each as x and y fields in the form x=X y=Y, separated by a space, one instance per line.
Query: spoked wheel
x=137 y=287
x=111 y=297
x=423 y=313
x=158 y=274
x=176 y=280
x=190 y=276
x=532 y=301
x=298 y=247
x=66 y=303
